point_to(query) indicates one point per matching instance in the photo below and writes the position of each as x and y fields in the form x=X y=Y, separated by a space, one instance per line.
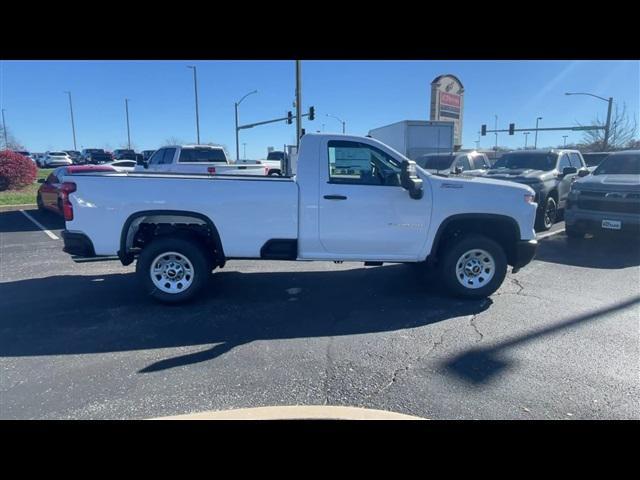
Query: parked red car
x=52 y=192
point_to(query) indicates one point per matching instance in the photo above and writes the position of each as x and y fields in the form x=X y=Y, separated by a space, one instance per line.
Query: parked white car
x=180 y=227
x=466 y=163
x=123 y=165
x=56 y=159
x=202 y=159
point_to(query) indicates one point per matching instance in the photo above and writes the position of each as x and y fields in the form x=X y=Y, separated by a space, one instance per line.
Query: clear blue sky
x=367 y=94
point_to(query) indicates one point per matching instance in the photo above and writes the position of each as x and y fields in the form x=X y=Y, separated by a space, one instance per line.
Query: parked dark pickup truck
x=608 y=199
x=95 y=156
x=550 y=174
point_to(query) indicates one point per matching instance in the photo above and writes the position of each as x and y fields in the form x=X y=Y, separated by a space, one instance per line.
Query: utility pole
x=244 y=146
x=298 y=104
x=526 y=137
x=237 y=129
x=195 y=87
x=535 y=143
x=565 y=140
x=73 y=126
x=496 y=147
x=4 y=129
x=126 y=107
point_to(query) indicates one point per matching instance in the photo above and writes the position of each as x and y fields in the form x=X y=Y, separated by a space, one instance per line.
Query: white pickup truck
x=336 y=208
x=207 y=159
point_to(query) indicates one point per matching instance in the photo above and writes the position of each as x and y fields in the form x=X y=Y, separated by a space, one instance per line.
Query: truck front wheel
x=473 y=267
x=173 y=270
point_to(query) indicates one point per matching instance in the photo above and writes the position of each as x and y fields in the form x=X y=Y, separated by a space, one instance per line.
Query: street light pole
x=496 y=147
x=341 y=121
x=244 y=147
x=298 y=104
x=607 y=127
x=195 y=87
x=237 y=139
x=526 y=137
x=565 y=140
x=126 y=107
x=535 y=142
x=4 y=129
x=73 y=126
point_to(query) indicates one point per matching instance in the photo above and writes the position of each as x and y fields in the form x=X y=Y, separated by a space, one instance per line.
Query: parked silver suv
x=608 y=199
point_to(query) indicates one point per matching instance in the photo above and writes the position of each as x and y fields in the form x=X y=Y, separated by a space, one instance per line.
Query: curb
x=297 y=412
x=13 y=208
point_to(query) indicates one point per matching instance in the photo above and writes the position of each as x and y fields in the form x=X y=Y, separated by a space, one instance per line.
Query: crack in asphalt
x=415 y=360
x=475 y=327
x=520 y=292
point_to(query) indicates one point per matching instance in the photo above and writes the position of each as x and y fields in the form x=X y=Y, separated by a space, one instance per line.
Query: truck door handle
x=335 y=197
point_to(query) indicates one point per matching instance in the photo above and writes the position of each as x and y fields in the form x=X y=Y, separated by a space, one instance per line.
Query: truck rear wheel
x=173 y=270
x=473 y=267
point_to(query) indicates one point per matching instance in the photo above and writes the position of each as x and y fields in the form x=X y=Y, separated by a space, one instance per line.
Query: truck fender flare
x=468 y=216
x=127 y=258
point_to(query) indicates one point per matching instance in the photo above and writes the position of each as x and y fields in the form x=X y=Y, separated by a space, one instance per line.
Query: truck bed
x=268 y=210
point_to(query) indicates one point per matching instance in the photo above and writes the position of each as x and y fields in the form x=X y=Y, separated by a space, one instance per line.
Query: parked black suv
x=75 y=155
x=548 y=172
x=95 y=156
x=124 y=154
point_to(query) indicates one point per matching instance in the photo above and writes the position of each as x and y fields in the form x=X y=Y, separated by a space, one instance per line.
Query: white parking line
x=40 y=226
x=550 y=234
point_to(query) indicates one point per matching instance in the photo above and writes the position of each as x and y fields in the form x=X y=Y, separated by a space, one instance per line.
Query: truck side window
x=463 y=161
x=575 y=160
x=156 y=158
x=168 y=155
x=361 y=164
x=564 y=162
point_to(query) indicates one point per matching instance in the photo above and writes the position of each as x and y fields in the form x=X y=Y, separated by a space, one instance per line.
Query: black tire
x=573 y=233
x=548 y=215
x=453 y=254
x=190 y=249
x=39 y=202
x=274 y=173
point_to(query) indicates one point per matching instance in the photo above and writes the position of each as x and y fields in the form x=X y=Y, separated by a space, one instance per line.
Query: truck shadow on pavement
x=66 y=315
x=480 y=365
x=606 y=252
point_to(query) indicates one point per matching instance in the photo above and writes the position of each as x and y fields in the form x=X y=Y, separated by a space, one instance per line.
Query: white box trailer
x=413 y=138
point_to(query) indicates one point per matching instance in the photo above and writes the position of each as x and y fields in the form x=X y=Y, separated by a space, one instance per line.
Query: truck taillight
x=211 y=170
x=67 y=209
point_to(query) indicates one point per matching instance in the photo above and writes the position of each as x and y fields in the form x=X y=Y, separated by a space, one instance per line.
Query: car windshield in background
x=527 y=161
x=435 y=162
x=57 y=154
x=202 y=155
x=623 y=164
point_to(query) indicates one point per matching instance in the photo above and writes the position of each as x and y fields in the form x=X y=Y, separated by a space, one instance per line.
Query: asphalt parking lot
x=559 y=340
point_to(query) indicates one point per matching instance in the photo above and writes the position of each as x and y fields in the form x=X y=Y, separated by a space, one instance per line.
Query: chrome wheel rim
x=549 y=214
x=475 y=268
x=172 y=272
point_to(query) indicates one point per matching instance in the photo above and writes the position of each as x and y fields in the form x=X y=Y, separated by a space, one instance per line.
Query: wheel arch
x=501 y=228
x=133 y=222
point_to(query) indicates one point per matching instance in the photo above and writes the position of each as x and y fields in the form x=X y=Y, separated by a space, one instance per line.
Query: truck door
x=564 y=185
x=364 y=213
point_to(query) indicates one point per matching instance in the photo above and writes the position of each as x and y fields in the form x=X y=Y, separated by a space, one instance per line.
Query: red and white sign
x=449 y=99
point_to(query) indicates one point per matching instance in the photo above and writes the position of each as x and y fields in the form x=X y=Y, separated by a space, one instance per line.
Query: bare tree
x=12 y=143
x=623 y=131
x=174 y=141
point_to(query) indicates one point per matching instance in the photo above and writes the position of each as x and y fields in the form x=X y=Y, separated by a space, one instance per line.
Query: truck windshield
x=275 y=156
x=623 y=164
x=528 y=161
x=202 y=155
x=435 y=162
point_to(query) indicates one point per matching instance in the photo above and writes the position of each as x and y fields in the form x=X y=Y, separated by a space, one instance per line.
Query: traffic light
x=289 y=118
x=302 y=132
x=312 y=113
x=483 y=130
x=512 y=127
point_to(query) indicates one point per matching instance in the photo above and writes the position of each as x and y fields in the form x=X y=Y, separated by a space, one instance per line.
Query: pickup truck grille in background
x=620 y=202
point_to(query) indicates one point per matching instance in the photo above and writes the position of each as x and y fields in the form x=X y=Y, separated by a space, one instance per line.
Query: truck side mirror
x=569 y=171
x=583 y=173
x=409 y=179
